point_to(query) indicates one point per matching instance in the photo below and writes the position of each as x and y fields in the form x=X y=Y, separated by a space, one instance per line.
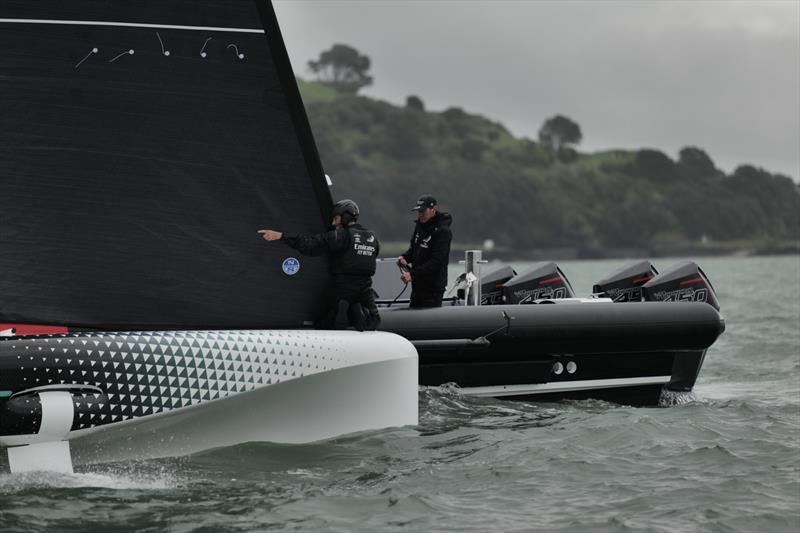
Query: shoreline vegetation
x=730 y=249
x=542 y=199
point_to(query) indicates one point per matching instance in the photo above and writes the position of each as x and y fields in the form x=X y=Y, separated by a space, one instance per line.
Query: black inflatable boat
x=638 y=336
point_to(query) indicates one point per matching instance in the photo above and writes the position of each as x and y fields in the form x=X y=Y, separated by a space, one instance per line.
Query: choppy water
x=727 y=461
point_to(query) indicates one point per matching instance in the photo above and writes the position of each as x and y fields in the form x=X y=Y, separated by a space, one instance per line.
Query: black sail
x=142 y=144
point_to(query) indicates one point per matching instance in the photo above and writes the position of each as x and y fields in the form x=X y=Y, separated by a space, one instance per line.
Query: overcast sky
x=720 y=75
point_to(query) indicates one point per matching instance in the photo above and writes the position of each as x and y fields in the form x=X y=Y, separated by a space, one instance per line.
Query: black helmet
x=347 y=209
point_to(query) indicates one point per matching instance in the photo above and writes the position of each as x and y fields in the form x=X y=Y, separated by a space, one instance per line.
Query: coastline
x=712 y=249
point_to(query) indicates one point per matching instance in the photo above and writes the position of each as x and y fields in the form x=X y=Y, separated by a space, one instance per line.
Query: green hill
x=525 y=197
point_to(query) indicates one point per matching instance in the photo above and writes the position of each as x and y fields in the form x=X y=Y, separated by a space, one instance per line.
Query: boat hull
x=626 y=353
x=321 y=406
x=115 y=396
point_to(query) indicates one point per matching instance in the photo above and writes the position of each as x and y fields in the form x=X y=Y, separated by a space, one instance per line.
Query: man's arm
x=438 y=254
x=322 y=243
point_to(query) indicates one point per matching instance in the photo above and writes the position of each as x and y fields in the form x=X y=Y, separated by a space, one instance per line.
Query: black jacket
x=429 y=253
x=349 y=266
x=353 y=249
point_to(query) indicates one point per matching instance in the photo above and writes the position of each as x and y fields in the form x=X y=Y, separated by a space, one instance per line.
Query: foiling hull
x=626 y=353
x=99 y=397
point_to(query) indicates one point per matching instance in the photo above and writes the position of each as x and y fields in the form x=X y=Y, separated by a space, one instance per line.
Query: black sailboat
x=141 y=146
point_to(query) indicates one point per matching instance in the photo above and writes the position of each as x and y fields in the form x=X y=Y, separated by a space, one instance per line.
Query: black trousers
x=350 y=303
x=421 y=298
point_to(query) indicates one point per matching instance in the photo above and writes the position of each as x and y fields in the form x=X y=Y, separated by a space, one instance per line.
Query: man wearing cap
x=424 y=264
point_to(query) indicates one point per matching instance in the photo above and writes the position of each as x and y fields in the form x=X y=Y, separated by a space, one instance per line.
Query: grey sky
x=721 y=75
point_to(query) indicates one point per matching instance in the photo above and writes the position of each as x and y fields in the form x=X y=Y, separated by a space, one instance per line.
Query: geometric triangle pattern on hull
x=144 y=373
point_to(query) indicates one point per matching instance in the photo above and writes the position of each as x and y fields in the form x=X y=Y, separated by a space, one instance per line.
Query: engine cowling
x=492 y=285
x=682 y=282
x=542 y=281
x=625 y=284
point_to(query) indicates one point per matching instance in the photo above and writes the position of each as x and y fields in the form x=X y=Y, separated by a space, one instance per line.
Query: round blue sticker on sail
x=291 y=266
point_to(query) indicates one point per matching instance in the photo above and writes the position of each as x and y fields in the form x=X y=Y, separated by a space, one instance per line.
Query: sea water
x=727 y=460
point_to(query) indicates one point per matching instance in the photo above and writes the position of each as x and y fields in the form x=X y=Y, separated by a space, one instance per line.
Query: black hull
x=625 y=353
x=637 y=396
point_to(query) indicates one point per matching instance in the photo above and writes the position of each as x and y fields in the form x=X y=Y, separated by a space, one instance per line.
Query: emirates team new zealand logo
x=291 y=266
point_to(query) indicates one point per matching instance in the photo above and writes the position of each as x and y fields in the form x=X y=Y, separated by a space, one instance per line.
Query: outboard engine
x=625 y=284
x=683 y=282
x=543 y=280
x=492 y=285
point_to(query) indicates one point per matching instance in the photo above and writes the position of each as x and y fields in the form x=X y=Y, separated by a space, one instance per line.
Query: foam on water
x=671 y=398
x=132 y=480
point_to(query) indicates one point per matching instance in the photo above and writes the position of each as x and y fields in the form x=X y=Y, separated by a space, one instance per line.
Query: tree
x=343 y=68
x=696 y=163
x=654 y=164
x=415 y=102
x=559 y=132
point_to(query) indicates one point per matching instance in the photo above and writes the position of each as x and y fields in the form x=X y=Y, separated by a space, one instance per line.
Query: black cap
x=424 y=201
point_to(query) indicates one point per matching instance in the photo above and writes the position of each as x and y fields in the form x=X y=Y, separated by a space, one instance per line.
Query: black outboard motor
x=542 y=281
x=492 y=285
x=683 y=282
x=625 y=284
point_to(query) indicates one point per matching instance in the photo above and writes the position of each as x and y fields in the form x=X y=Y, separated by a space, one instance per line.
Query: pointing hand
x=270 y=235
